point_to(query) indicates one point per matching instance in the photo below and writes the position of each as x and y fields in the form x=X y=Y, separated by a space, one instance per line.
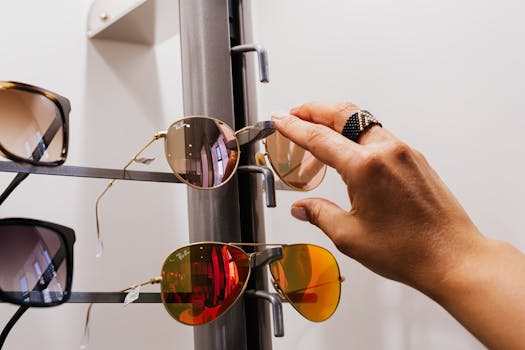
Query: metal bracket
x=136 y=21
x=267 y=256
x=109 y=298
x=269 y=181
x=277 y=309
x=256 y=132
x=101 y=173
x=262 y=56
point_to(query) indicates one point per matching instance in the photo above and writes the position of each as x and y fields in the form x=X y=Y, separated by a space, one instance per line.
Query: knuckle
x=372 y=163
x=400 y=152
x=400 y=149
x=345 y=108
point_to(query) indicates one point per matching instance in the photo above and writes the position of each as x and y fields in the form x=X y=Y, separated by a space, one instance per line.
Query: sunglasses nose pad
x=260 y=160
x=277 y=287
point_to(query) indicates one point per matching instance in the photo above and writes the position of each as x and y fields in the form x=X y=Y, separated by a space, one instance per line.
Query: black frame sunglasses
x=67 y=238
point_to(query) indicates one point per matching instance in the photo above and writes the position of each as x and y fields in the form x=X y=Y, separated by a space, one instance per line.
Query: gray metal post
x=207 y=90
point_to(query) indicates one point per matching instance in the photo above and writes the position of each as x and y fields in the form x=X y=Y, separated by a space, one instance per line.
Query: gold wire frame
x=250 y=257
x=157 y=280
x=162 y=134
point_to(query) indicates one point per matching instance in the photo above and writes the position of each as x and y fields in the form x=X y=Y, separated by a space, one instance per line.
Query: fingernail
x=280 y=115
x=299 y=213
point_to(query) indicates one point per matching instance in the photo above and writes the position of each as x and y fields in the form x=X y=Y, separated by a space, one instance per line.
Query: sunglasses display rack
x=216 y=34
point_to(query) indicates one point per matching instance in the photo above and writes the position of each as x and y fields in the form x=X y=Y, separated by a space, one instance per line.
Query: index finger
x=332 y=114
x=324 y=143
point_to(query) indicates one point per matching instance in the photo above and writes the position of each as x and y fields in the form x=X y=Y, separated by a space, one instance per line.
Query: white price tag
x=132 y=295
x=100 y=248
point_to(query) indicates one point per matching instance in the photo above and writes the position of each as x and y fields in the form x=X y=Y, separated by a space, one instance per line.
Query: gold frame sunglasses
x=202 y=281
x=204 y=152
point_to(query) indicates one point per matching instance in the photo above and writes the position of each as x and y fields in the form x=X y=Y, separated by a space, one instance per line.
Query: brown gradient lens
x=202 y=151
x=308 y=276
x=31 y=126
x=295 y=166
x=33 y=268
x=200 y=282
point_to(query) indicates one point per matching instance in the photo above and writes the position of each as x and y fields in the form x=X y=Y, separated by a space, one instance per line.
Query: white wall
x=445 y=76
x=448 y=77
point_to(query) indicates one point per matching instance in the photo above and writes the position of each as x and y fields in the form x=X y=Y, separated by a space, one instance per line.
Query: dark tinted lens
x=202 y=151
x=31 y=126
x=33 y=268
x=200 y=282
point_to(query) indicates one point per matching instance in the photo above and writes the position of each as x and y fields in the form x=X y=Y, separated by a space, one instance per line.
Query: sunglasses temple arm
x=85 y=340
x=37 y=154
x=154 y=280
x=11 y=187
x=46 y=140
x=11 y=323
x=269 y=181
x=110 y=183
x=277 y=309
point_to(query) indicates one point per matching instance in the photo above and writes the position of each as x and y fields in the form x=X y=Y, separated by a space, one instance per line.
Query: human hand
x=404 y=222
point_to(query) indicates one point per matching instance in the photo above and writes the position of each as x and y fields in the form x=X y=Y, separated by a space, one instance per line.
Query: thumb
x=324 y=214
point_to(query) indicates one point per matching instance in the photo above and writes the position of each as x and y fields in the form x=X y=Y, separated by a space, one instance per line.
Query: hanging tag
x=100 y=248
x=132 y=295
x=85 y=341
x=144 y=160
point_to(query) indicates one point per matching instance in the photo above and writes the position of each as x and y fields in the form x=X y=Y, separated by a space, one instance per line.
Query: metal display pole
x=208 y=90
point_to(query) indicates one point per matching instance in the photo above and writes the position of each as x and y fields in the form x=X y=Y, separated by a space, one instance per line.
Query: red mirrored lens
x=200 y=282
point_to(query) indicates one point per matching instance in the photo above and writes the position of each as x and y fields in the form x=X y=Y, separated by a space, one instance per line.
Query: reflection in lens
x=202 y=151
x=200 y=282
x=31 y=126
x=309 y=278
x=295 y=166
x=33 y=267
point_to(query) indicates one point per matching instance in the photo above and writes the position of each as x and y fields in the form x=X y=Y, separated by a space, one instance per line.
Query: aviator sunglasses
x=202 y=281
x=36 y=265
x=203 y=152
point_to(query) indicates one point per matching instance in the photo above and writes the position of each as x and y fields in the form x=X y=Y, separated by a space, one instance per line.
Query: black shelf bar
x=100 y=173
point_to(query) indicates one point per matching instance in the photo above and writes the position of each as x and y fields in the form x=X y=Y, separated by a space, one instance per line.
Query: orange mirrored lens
x=31 y=126
x=308 y=276
x=202 y=151
x=200 y=282
x=295 y=166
